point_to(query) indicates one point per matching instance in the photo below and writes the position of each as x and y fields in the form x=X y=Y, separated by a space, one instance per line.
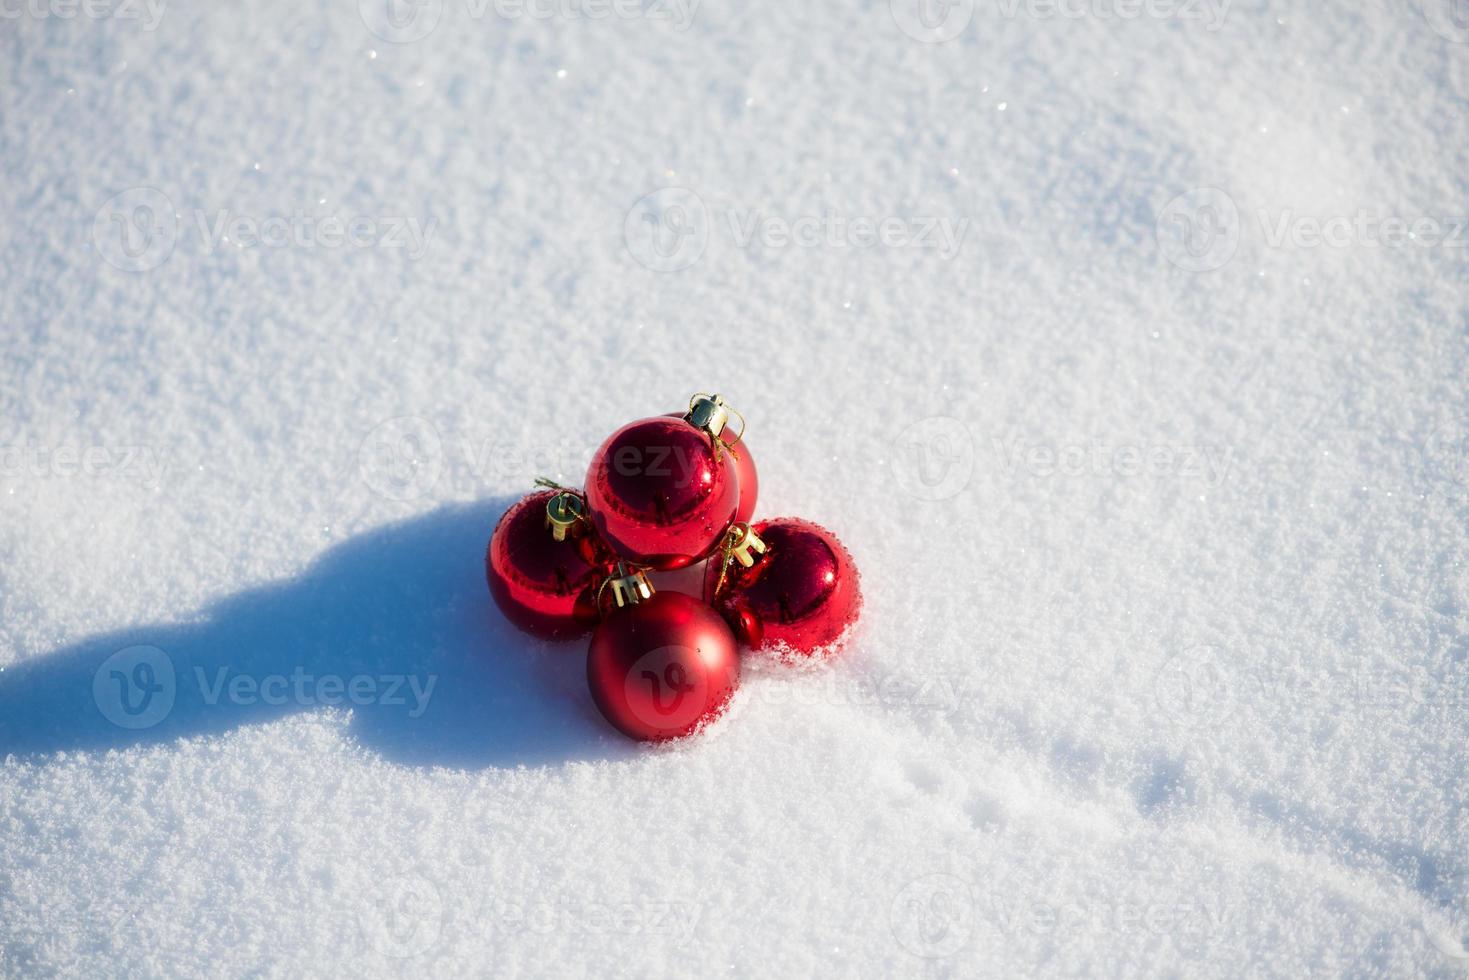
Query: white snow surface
x=1159 y=499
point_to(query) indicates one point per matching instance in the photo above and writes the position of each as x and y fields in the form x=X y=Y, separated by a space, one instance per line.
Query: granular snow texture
x=1125 y=345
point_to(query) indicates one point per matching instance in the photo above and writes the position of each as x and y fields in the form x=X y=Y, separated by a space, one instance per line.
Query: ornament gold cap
x=628 y=587
x=563 y=512
x=708 y=412
x=741 y=542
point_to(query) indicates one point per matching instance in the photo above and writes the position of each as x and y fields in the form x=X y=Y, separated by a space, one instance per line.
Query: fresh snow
x=1124 y=344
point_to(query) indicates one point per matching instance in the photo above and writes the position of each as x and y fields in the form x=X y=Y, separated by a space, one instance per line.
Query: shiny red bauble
x=798 y=597
x=544 y=586
x=660 y=494
x=744 y=467
x=662 y=668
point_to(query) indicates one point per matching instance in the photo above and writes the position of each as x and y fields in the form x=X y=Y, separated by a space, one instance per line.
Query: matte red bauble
x=543 y=585
x=662 y=668
x=660 y=493
x=799 y=592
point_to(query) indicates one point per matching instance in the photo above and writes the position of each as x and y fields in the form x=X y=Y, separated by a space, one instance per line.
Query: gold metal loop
x=741 y=435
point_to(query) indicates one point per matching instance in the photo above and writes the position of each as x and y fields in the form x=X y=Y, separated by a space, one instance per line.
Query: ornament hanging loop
x=740 y=435
x=710 y=414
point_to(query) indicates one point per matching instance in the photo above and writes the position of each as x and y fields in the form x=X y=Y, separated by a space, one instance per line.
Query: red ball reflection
x=544 y=586
x=657 y=494
x=744 y=467
x=802 y=593
x=662 y=668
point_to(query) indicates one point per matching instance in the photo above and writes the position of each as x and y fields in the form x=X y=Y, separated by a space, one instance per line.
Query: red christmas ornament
x=662 y=491
x=785 y=582
x=544 y=564
x=663 y=665
x=744 y=465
